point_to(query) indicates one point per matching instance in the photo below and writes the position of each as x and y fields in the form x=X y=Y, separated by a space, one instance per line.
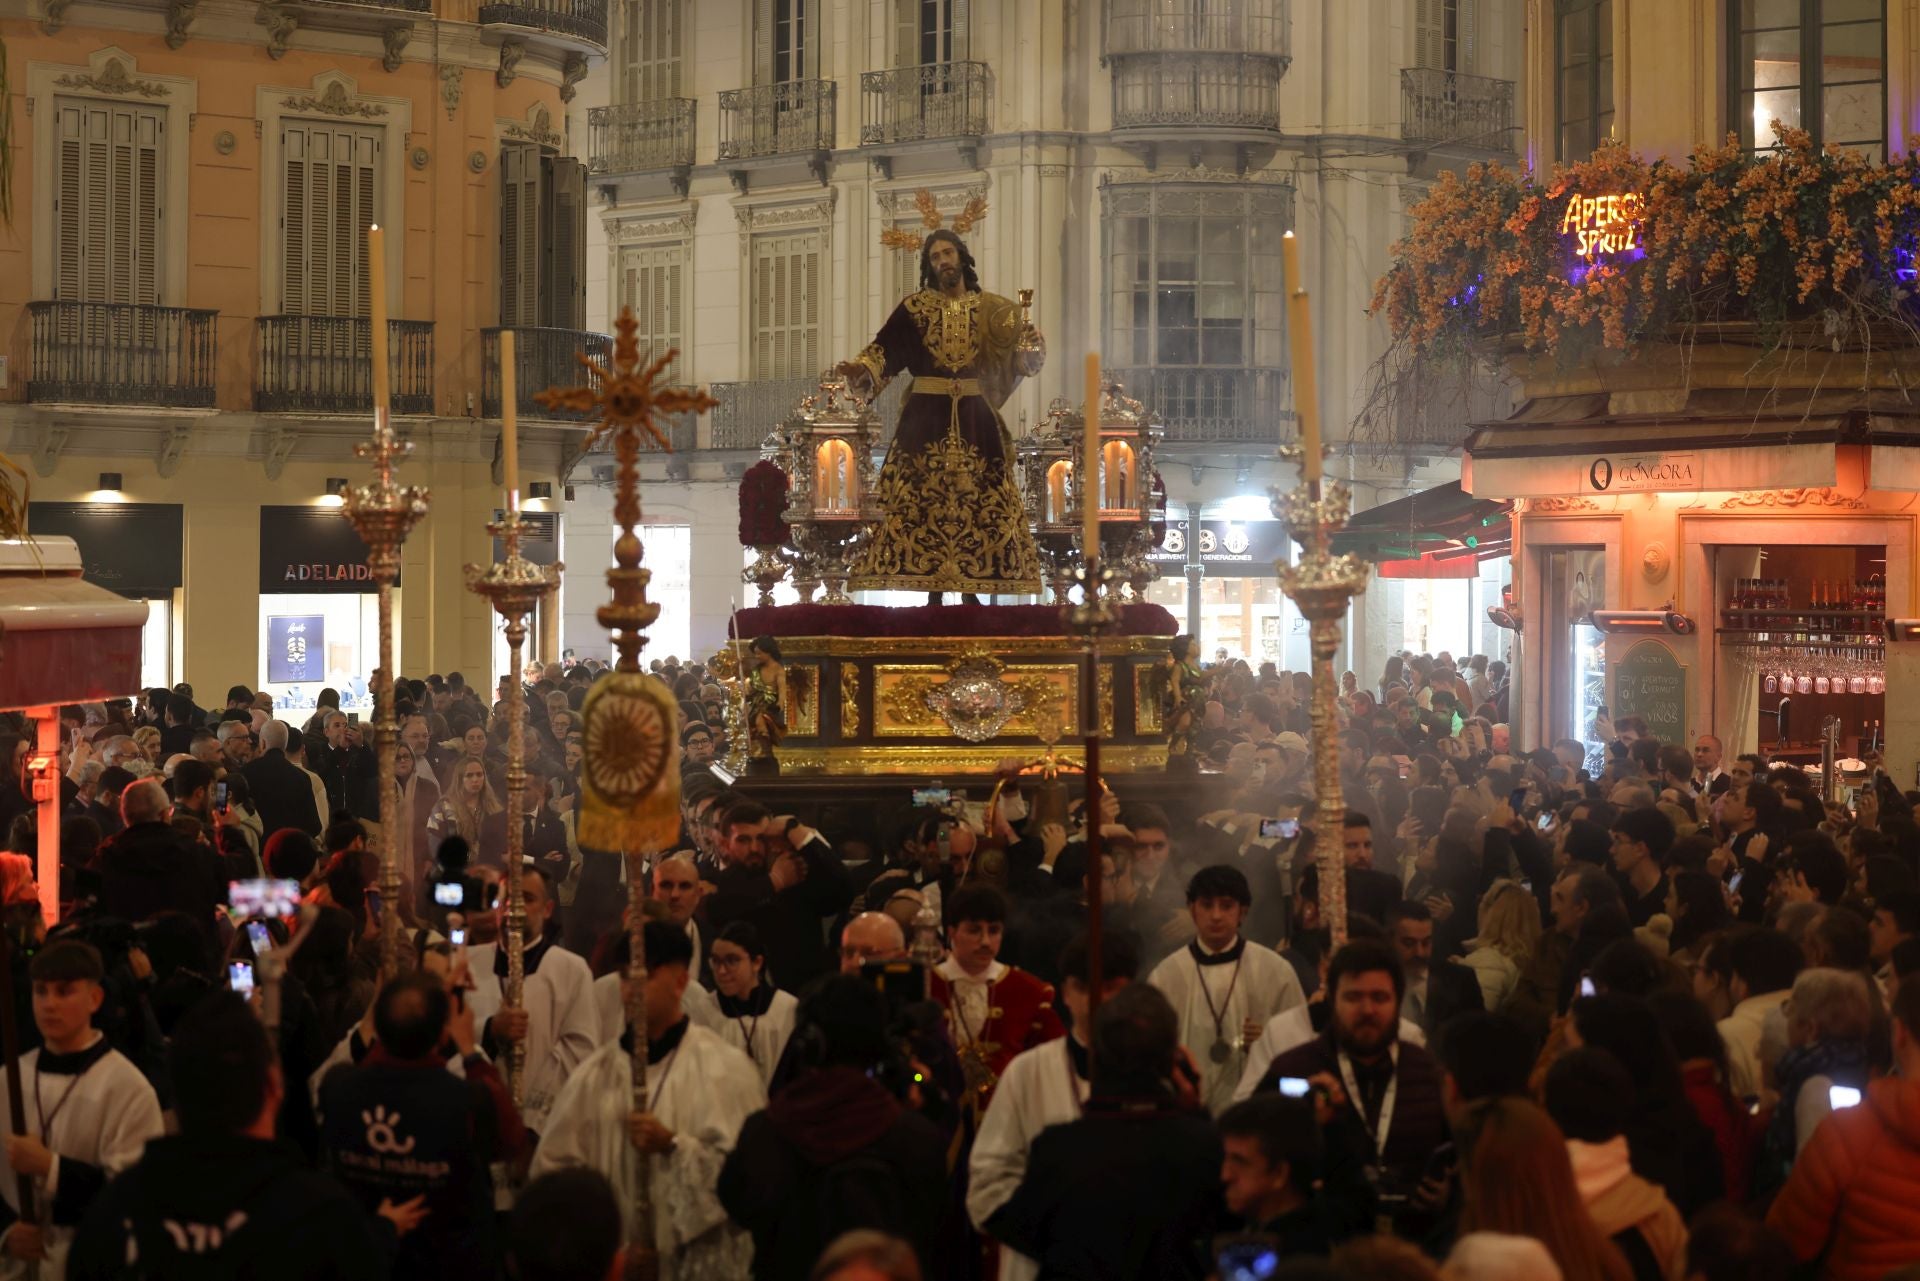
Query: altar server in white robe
x=1047 y=1085
x=89 y=1114
x=1223 y=987
x=557 y=1019
x=755 y=1016
x=700 y=1091
x=610 y=1008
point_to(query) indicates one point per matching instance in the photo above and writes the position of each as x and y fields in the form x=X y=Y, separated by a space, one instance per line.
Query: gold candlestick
x=630 y=779
x=384 y=513
x=514 y=586
x=1321 y=585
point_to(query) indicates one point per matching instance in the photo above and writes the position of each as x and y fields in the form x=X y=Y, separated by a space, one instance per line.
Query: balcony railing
x=640 y=136
x=104 y=353
x=1210 y=404
x=324 y=365
x=582 y=19
x=773 y=120
x=1206 y=90
x=542 y=358
x=400 y=6
x=1197 y=26
x=1439 y=106
x=910 y=104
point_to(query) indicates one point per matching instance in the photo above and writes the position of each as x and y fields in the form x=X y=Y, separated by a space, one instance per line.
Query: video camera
x=454 y=888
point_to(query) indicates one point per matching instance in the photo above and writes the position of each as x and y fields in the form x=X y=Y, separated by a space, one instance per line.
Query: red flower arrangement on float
x=1614 y=250
x=763 y=505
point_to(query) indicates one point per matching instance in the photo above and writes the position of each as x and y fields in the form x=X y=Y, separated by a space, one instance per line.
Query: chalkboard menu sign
x=1650 y=683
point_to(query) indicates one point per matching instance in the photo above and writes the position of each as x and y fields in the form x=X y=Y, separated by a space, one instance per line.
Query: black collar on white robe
x=667 y=1042
x=1078 y=1054
x=75 y=1064
x=530 y=956
x=751 y=1005
x=1202 y=957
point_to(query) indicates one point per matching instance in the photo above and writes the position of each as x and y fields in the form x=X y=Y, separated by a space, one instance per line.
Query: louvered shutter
x=330 y=193
x=1466 y=56
x=763 y=42
x=786 y=306
x=650 y=51
x=650 y=278
x=563 y=299
x=520 y=238
x=960 y=23
x=1429 y=33
x=109 y=158
x=906 y=33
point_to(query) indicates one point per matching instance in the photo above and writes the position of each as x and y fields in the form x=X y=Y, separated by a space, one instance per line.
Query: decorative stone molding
x=511 y=51
x=180 y=14
x=1195 y=173
x=394 y=39
x=1809 y=497
x=280 y=23
x=676 y=225
x=112 y=78
x=572 y=71
x=536 y=128
x=224 y=142
x=950 y=198
x=54 y=16
x=334 y=100
x=771 y=215
x=451 y=76
x=1558 y=506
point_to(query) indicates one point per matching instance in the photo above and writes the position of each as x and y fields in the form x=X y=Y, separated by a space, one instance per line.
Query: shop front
x=319 y=617
x=1710 y=570
x=133 y=550
x=1218 y=576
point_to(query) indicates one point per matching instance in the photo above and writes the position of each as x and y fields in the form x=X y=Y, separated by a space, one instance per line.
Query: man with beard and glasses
x=1390 y=1088
x=952 y=516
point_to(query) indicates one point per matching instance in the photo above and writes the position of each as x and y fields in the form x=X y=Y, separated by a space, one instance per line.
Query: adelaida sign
x=312 y=549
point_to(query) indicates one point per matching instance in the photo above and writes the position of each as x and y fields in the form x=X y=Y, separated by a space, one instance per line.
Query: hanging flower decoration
x=1614 y=249
x=763 y=500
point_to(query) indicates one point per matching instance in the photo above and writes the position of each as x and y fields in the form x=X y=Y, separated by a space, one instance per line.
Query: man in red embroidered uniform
x=994 y=1011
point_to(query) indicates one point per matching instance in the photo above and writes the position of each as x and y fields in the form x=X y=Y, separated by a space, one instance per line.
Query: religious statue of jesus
x=952 y=519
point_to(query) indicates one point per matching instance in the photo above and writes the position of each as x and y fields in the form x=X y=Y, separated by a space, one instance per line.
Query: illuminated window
x=1818 y=65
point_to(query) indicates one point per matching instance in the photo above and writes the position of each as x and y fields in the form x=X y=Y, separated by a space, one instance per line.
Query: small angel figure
x=1183 y=693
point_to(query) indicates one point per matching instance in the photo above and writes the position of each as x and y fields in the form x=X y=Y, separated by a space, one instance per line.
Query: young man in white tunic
x=1223 y=987
x=89 y=1113
x=700 y=1091
x=1047 y=1085
x=557 y=1019
x=676 y=886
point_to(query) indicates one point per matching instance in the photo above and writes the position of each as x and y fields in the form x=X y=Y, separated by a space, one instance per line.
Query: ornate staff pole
x=384 y=513
x=1321 y=585
x=514 y=586
x=630 y=783
x=1092 y=616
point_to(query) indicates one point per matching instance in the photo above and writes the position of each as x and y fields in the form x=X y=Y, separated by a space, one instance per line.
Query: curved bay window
x=1818 y=65
x=1583 y=76
x=1194 y=303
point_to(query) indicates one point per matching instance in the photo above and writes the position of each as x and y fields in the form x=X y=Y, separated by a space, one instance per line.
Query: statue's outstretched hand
x=859 y=377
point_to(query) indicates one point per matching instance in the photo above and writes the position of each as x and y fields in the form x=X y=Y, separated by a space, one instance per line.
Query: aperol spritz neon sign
x=1603 y=228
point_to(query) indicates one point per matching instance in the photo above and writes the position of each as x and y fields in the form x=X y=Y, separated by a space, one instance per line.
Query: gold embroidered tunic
x=953 y=520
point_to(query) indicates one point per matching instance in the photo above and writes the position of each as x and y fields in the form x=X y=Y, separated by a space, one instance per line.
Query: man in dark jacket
x=343 y=763
x=282 y=792
x=149 y=868
x=222 y=1199
x=432 y=1134
x=835 y=1150
x=181 y=723
x=1437 y=989
x=1361 y=1052
x=1132 y=1188
x=782 y=876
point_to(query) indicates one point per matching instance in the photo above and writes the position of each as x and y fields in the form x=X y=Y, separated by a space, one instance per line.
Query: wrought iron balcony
x=640 y=136
x=1202 y=90
x=912 y=104
x=104 y=353
x=1439 y=106
x=1197 y=26
x=542 y=358
x=324 y=365
x=1212 y=405
x=401 y=6
x=777 y=119
x=580 y=19
x=749 y=410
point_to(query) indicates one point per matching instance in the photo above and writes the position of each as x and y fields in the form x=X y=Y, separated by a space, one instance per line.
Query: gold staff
x=384 y=513
x=630 y=779
x=1321 y=585
x=514 y=586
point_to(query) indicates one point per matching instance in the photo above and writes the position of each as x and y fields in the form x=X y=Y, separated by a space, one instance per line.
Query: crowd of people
x=1599 y=1010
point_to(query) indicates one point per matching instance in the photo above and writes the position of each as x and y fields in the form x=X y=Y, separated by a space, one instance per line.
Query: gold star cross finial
x=627 y=402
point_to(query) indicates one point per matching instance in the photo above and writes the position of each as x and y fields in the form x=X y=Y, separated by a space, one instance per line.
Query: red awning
x=62 y=639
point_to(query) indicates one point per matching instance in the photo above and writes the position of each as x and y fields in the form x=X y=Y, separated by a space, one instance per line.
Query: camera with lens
x=455 y=889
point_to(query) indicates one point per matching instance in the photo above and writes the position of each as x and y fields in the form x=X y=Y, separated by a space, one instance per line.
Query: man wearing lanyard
x=1391 y=1089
